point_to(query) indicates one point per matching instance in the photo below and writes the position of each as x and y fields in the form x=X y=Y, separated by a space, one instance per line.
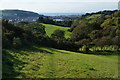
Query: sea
x=60 y=14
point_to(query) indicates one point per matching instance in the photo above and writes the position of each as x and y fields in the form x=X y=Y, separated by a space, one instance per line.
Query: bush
x=17 y=42
x=83 y=42
x=6 y=43
x=112 y=48
x=85 y=48
x=58 y=34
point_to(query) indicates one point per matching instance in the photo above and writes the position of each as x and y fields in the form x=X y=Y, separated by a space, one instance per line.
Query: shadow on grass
x=9 y=64
x=58 y=51
x=40 y=50
x=23 y=51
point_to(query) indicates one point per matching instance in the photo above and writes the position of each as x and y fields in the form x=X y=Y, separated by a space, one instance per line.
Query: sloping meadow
x=39 y=62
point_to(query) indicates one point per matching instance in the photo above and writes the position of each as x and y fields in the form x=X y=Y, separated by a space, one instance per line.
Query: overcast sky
x=60 y=6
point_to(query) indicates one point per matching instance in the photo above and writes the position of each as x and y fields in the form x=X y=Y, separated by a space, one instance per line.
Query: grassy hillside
x=38 y=62
x=93 y=16
x=50 y=28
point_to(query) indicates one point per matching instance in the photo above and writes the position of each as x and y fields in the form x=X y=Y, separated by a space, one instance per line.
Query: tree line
x=103 y=30
x=47 y=20
x=28 y=34
x=100 y=31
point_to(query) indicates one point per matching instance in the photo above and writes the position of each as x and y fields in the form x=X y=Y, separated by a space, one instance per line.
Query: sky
x=60 y=6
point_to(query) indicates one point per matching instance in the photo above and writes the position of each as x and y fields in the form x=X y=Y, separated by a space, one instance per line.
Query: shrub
x=58 y=34
x=6 y=43
x=17 y=42
x=83 y=42
x=85 y=48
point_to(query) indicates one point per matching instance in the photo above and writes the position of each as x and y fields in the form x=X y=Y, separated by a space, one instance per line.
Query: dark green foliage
x=95 y=34
x=6 y=43
x=81 y=31
x=66 y=23
x=83 y=42
x=116 y=41
x=35 y=28
x=101 y=29
x=117 y=32
x=75 y=23
x=21 y=35
x=9 y=32
x=60 y=42
x=47 y=20
x=17 y=43
x=105 y=12
x=58 y=34
x=66 y=45
x=103 y=41
x=95 y=25
x=17 y=36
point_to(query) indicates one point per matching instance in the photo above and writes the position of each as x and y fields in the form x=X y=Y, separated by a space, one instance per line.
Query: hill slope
x=19 y=15
x=39 y=62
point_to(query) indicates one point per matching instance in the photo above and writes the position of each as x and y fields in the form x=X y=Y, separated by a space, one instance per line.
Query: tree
x=94 y=34
x=58 y=34
x=81 y=31
x=83 y=42
x=17 y=43
x=118 y=32
x=103 y=41
x=116 y=41
x=18 y=36
x=46 y=20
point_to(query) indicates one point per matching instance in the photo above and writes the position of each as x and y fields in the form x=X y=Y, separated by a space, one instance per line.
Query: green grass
x=39 y=62
x=93 y=16
x=51 y=28
x=57 y=19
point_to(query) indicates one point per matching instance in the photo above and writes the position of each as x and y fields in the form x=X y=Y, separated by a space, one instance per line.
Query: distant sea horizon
x=60 y=14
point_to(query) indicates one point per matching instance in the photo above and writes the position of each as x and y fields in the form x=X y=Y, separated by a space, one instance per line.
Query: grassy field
x=39 y=62
x=57 y=19
x=50 y=28
x=93 y=16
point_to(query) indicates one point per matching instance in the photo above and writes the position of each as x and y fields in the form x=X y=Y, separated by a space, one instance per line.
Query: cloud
x=45 y=6
x=38 y=1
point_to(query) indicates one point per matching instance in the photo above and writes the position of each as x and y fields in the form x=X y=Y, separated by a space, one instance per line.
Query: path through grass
x=39 y=62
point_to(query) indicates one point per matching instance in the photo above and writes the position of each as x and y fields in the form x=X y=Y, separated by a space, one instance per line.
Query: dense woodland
x=96 y=29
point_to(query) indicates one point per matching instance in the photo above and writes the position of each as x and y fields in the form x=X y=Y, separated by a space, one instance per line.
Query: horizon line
x=61 y=12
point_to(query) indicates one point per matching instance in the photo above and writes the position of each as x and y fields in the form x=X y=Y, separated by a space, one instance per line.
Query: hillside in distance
x=19 y=15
